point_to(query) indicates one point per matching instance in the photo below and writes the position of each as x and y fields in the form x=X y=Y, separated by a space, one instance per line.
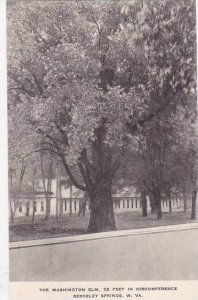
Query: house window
x=20 y=207
x=75 y=205
x=65 y=205
x=42 y=205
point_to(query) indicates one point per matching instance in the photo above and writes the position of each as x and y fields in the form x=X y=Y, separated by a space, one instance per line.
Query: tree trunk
x=49 y=183
x=11 y=210
x=70 y=201
x=60 y=200
x=185 y=204
x=97 y=174
x=195 y=183
x=144 y=203
x=102 y=214
x=57 y=192
x=48 y=205
x=185 y=199
x=170 y=205
x=60 y=208
x=168 y=193
x=33 y=194
x=15 y=197
x=158 y=202
x=159 y=213
x=27 y=209
x=194 y=200
x=152 y=203
x=33 y=212
x=44 y=183
x=47 y=189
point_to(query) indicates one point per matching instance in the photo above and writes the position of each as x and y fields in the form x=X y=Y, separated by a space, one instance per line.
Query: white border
x=4 y=265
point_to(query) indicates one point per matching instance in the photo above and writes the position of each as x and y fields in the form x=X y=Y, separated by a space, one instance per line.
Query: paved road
x=159 y=256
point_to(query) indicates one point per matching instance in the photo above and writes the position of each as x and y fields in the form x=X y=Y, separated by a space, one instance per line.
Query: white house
x=66 y=199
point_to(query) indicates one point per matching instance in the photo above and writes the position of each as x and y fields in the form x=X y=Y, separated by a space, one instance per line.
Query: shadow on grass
x=25 y=229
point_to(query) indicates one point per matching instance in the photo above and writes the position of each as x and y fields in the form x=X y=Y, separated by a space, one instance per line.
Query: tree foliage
x=87 y=77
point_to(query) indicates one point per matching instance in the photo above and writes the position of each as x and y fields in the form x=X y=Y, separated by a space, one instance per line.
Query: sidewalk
x=102 y=235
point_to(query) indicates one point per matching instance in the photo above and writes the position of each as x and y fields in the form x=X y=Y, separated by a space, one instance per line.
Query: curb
x=102 y=235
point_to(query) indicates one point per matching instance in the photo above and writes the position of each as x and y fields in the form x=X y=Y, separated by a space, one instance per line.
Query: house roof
x=36 y=193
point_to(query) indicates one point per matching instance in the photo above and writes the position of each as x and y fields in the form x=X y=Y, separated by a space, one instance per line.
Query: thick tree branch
x=21 y=86
x=133 y=127
x=36 y=80
x=69 y=173
x=86 y=176
x=62 y=133
x=83 y=158
x=61 y=155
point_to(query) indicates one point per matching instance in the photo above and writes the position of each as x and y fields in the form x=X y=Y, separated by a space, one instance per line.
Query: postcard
x=102 y=149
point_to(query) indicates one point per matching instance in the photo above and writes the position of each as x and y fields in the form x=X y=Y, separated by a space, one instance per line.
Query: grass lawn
x=24 y=229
